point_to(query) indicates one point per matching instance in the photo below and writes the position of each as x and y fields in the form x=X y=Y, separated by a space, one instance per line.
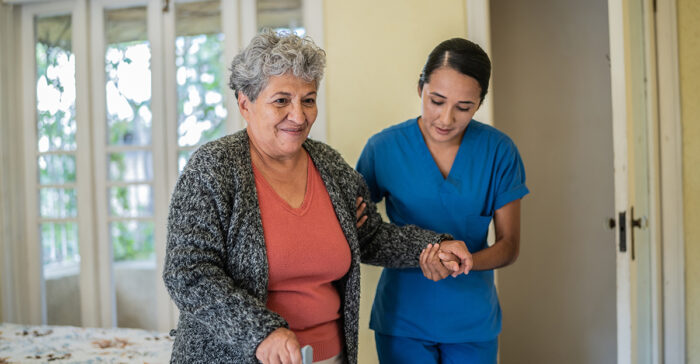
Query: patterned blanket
x=67 y=344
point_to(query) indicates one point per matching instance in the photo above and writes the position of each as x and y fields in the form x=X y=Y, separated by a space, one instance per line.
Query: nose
x=447 y=116
x=296 y=112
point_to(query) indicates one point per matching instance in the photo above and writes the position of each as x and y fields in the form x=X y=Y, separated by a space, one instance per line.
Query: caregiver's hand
x=431 y=265
x=280 y=347
x=360 y=212
x=459 y=249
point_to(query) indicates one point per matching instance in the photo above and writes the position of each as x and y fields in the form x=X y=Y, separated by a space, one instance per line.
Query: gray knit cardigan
x=216 y=264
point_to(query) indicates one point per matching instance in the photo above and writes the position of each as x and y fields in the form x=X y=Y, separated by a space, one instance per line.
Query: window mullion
x=165 y=305
x=156 y=25
x=89 y=282
x=99 y=112
x=36 y=307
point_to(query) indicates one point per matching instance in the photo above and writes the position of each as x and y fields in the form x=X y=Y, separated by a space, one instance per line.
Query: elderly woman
x=264 y=251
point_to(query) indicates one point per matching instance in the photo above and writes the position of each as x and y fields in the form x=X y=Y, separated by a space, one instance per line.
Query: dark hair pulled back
x=463 y=56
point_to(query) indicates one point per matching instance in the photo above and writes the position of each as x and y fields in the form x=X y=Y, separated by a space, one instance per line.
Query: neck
x=275 y=165
x=438 y=147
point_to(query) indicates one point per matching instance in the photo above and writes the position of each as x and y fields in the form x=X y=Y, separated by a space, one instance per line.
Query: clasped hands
x=437 y=261
x=450 y=257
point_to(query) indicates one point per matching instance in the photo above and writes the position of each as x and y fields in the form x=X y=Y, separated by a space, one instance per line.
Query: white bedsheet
x=67 y=344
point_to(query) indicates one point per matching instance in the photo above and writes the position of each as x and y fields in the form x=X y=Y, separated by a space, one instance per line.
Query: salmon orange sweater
x=307 y=251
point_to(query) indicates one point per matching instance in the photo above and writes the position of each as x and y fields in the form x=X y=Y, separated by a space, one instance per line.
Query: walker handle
x=307 y=354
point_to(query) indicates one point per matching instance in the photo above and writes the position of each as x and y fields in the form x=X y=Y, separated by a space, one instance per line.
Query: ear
x=244 y=105
x=420 y=91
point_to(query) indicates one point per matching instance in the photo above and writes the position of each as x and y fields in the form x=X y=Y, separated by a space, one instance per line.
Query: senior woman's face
x=281 y=117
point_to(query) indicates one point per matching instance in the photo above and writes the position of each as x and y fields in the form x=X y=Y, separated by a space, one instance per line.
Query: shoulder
x=328 y=160
x=393 y=134
x=217 y=166
x=321 y=151
x=221 y=155
x=497 y=140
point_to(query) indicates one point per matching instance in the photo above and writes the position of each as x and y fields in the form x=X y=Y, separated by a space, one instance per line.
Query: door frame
x=671 y=182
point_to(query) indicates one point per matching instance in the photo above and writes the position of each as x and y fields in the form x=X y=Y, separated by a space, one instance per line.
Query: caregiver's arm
x=505 y=251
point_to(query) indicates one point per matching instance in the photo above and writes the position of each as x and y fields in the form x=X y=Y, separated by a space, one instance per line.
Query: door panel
x=552 y=96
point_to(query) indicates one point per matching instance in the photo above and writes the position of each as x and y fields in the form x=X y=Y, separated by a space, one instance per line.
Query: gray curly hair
x=274 y=54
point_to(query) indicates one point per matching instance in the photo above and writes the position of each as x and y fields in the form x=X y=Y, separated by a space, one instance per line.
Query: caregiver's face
x=449 y=102
x=281 y=117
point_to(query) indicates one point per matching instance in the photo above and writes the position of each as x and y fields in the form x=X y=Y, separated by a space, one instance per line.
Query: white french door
x=59 y=222
x=128 y=139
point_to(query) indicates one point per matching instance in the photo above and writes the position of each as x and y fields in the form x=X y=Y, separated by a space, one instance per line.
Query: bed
x=68 y=344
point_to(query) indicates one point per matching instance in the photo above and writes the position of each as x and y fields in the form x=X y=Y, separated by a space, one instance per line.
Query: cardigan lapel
x=345 y=215
x=249 y=212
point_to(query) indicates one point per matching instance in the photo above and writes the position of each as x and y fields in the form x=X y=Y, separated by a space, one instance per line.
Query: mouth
x=294 y=130
x=442 y=131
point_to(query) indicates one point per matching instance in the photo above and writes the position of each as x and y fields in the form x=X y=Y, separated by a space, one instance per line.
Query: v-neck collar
x=455 y=172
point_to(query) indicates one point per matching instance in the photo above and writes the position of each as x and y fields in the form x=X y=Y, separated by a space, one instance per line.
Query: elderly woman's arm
x=392 y=246
x=195 y=273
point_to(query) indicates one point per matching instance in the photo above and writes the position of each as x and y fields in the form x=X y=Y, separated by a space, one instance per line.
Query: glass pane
x=128 y=77
x=57 y=203
x=200 y=70
x=61 y=266
x=182 y=159
x=59 y=243
x=132 y=240
x=134 y=273
x=131 y=166
x=285 y=15
x=56 y=169
x=131 y=201
x=55 y=85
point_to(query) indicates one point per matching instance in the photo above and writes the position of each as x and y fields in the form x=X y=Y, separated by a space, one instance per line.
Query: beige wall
x=689 y=49
x=375 y=52
x=2 y=156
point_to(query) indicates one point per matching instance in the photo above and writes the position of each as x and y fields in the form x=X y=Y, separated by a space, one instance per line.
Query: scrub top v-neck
x=487 y=173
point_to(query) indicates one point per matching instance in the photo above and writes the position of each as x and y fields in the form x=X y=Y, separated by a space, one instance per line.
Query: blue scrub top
x=487 y=173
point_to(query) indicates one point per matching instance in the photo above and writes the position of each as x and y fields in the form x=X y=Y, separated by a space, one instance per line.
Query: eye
x=309 y=102
x=465 y=109
x=435 y=102
x=281 y=101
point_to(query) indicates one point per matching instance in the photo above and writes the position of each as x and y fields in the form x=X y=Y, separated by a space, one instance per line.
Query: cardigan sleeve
x=385 y=244
x=195 y=271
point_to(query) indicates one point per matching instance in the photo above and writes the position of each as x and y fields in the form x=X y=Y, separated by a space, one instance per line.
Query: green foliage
x=59 y=126
x=132 y=240
x=200 y=57
x=56 y=131
x=125 y=131
x=59 y=242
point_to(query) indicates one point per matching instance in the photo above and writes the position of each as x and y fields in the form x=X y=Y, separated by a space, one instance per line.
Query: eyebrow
x=288 y=94
x=461 y=102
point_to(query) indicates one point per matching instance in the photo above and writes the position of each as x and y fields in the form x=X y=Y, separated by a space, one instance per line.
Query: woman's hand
x=433 y=267
x=452 y=248
x=360 y=206
x=280 y=347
